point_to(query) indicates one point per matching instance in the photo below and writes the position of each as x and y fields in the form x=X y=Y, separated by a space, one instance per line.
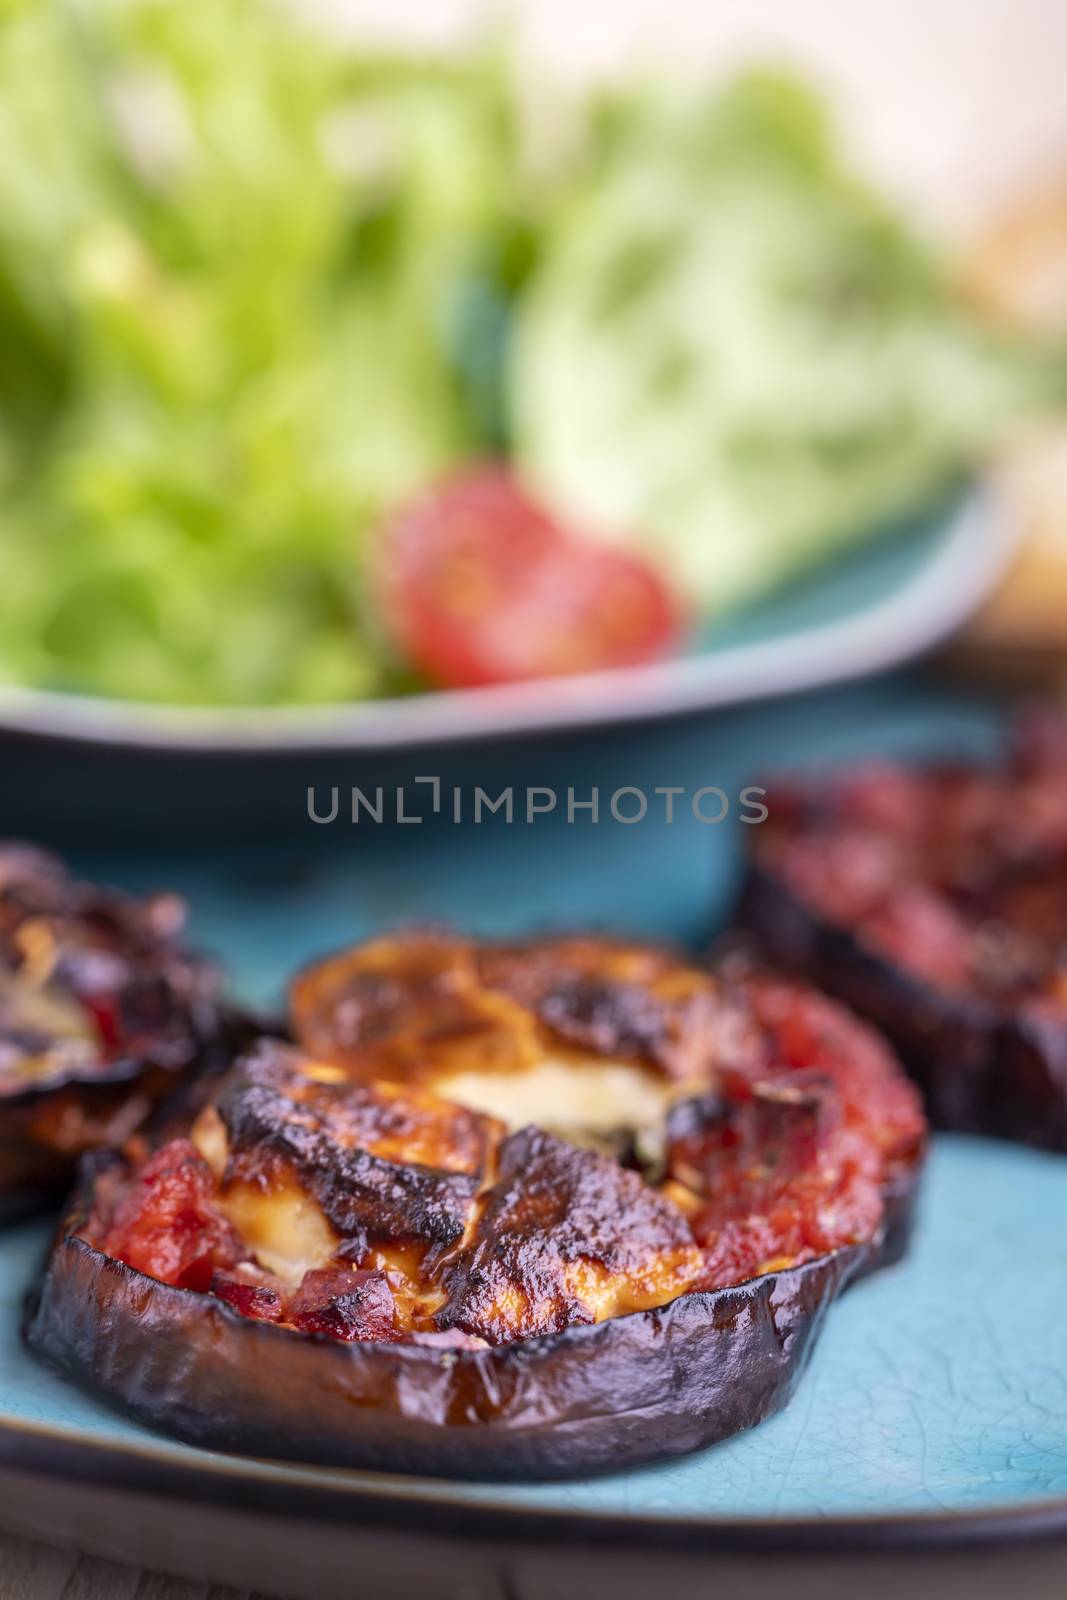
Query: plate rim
x=983 y=533
x=358 y=1500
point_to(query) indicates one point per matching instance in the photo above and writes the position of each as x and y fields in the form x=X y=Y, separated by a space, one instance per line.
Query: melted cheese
x=208 y=1133
x=597 y=1096
x=70 y=1042
x=282 y=1225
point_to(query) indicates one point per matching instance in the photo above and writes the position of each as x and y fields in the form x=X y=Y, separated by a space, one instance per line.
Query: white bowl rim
x=982 y=535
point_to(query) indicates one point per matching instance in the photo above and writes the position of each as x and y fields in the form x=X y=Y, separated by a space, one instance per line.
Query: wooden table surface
x=30 y=1571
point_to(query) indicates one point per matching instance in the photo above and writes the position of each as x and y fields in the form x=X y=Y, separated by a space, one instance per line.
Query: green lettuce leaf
x=736 y=354
x=236 y=258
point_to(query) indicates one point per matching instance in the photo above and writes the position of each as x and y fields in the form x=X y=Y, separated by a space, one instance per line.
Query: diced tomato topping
x=744 y=1153
x=165 y=1224
x=822 y=1213
x=921 y=932
x=344 y=1304
x=954 y=874
x=255 y=1300
x=807 y=1032
x=735 y=1249
x=783 y=1172
x=105 y=1015
x=480 y=585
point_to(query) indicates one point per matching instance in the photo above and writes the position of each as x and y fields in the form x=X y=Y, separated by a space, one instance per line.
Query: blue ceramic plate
x=938 y=1392
x=900 y=594
x=933 y=1415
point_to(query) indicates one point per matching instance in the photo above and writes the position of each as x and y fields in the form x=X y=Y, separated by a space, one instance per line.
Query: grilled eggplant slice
x=934 y=902
x=594 y=1397
x=102 y=1010
x=486 y=1298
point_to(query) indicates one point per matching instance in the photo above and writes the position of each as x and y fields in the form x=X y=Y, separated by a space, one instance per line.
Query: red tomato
x=165 y=1223
x=480 y=585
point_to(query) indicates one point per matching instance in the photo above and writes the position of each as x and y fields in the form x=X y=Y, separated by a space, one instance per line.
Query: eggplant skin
x=980 y=1071
x=638 y=1388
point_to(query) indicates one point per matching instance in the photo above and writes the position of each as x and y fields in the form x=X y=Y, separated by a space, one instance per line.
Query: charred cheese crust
x=565 y=1236
x=584 y=1035
x=308 y=1162
x=502 y=1237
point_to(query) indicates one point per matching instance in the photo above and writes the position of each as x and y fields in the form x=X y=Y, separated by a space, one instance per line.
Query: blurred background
x=355 y=352
x=518 y=394
x=957 y=107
